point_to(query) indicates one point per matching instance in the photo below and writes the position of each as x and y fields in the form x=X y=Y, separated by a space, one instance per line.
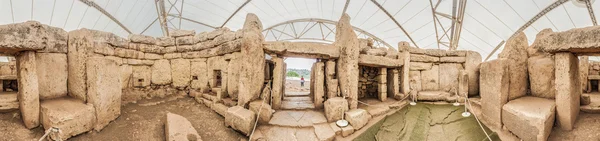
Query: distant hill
x=300 y=72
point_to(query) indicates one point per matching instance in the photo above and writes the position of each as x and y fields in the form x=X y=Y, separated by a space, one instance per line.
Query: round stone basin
x=430 y=122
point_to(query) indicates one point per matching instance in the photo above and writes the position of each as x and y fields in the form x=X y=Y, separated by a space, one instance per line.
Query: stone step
x=304 y=98
x=297 y=118
x=297 y=105
x=594 y=109
x=208 y=96
x=294 y=94
x=8 y=102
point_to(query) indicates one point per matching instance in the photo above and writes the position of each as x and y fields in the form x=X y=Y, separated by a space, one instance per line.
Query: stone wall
x=367 y=82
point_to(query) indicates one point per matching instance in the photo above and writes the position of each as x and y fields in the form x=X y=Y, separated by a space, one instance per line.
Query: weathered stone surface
x=152 y=56
x=52 y=74
x=161 y=72
x=330 y=82
x=318 y=78
x=415 y=80
x=449 y=76
x=278 y=82
x=336 y=129
x=186 y=42
x=393 y=83
x=178 y=128
x=404 y=73
x=420 y=66
x=80 y=45
x=568 y=89
x=104 y=90
x=104 y=49
x=452 y=59
x=299 y=49
x=324 y=132
x=142 y=76
x=199 y=72
x=473 y=60
x=233 y=75
x=378 y=61
x=347 y=65
x=460 y=53
x=377 y=52
x=335 y=108
x=252 y=66
x=136 y=38
x=29 y=94
x=180 y=33
x=126 y=76
x=357 y=117
x=463 y=84
x=515 y=50
x=430 y=79
x=240 y=119
x=530 y=118
x=576 y=40
x=541 y=76
x=494 y=90
x=180 y=72
x=32 y=35
x=165 y=41
x=347 y=131
x=584 y=68
x=423 y=58
x=434 y=96
x=172 y=55
x=72 y=116
x=266 y=112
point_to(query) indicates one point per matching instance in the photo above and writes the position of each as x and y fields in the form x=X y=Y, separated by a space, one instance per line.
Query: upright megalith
x=515 y=51
x=568 y=89
x=347 y=65
x=252 y=66
x=29 y=94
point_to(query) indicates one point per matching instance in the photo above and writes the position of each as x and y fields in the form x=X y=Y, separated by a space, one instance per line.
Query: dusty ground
x=143 y=120
x=587 y=126
x=294 y=86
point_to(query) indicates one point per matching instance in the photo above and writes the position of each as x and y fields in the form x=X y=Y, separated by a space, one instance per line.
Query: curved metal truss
x=325 y=29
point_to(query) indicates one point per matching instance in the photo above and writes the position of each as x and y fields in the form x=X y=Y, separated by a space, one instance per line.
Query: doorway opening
x=297 y=85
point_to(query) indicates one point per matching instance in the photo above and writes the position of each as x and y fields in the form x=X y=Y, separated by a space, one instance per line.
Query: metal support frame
x=395 y=21
x=455 y=29
x=97 y=7
x=323 y=28
x=532 y=20
x=588 y=4
x=236 y=11
x=194 y=21
x=162 y=16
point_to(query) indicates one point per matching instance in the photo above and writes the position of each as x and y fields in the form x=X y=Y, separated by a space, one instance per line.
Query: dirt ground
x=294 y=86
x=143 y=120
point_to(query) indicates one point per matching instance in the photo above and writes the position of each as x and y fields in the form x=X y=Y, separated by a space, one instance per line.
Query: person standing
x=302 y=81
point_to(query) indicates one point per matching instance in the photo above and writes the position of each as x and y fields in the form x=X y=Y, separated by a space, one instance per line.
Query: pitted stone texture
x=104 y=90
x=180 y=71
x=415 y=80
x=392 y=53
x=72 y=116
x=52 y=74
x=178 y=128
x=423 y=58
x=278 y=82
x=32 y=35
x=165 y=41
x=233 y=75
x=515 y=50
x=324 y=132
x=472 y=62
x=584 y=70
x=136 y=38
x=29 y=94
x=142 y=76
x=335 y=108
x=303 y=50
x=494 y=90
x=530 y=118
x=541 y=76
x=199 y=70
x=126 y=76
x=568 y=89
x=253 y=64
x=318 y=80
x=419 y=66
x=357 y=117
x=180 y=33
x=449 y=76
x=347 y=65
x=161 y=72
x=430 y=79
x=265 y=111
x=240 y=119
x=576 y=40
x=377 y=52
x=452 y=59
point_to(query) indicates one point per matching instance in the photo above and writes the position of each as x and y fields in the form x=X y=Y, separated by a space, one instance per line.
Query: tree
x=292 y=74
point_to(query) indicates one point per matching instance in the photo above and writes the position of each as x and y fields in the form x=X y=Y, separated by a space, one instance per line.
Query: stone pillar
x=472 y=62
x=463 y=84
x=404 y=73
x=515 y=50
x=584 y=69
x=494 y=83
x=318 y=80
x=393 y=87
x=347 y=65
x=80 y=44
x=104 y=90
x=568 y=89
x=382 y=86
x=331 y=82
x=278 y=82
x=253 y=62
x=29 y=95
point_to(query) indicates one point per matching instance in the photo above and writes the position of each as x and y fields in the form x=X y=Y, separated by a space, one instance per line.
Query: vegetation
x=292 y=74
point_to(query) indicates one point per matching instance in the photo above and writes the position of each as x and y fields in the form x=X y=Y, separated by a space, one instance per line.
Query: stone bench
x=438 y=96
x=530 y=118
x=72 y=116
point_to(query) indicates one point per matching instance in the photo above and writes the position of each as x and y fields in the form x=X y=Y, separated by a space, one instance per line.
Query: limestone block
x=233 y=75
x=324 y=132
x=541 y=76
x=198 y=70
x=568 y=89
x=80 y=45
x=452 y=59
x=460 y=53
x=180 y=33
x=180 y=71
x=165 y=41
x=278 y=82
x=433 y=96
x=142 y=76
x=377 y=52
x=152 y=56
x=494 y=90
x=463 y=84
x=29 y=94
x=126 y=76
x=530 y=118
x=104 y=90
x=220 y=108
x=515 y=50
x=336 y=129
x=72 y=116
x=405 y=71
x=52 y=74
x=161 y=72
x=430 y=79
x=420 y=66
x=347 y=131
x=32 y=35
x=423 y=58
x=357 y=117
x=253 y=64
x=332 y=88
x=449 y=76
x=393 y=83
x=392 y=53
x=104 y=49
x=170 y=49
x=240 y=119
x=335 y=108
x=265 y=113
x=472 y=61
x=576 y=40
x=172 y=55
x=178 y=128
x=136 y=38
x=117 y=60
x=318 y=79
x=415 y=80
x=378 y=61
x=347 y=64
x=303 y=50
x=584 y=67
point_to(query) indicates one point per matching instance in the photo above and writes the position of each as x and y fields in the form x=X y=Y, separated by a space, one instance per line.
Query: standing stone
x=568 y=89
x=473 y=59
x=393 y=85
x=449 y=76
x=52 y=74
x=494 y=90
x=126 y=76
x=347 y=65
x=29 y=94
x=415 y=81
x=541 y=76
x=142 y=76
x=199 y=74
x=180 y=71
x=463 y=84
x=80 y=44
x=404 y=77
x=331 y=82
x=252 y=66
x=278 y=82
x=233 y=75
x=319 y=84
x=515 y=50
x=584 y=67
x=161 y=72
x=382 y=86
x=104 y=90
x=335 y=108
x=431 y=78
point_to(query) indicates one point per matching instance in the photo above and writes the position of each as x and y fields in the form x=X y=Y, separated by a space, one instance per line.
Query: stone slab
x=29 y=94
x=180 y=72
x=240 y=119
x=430 y=79
x=104 y=90
x=52 y=74
x=448 y=73
x=568 y=89
x=378 y=61
x=530 y=118
x=358 y=118
x=161 y=72
x=494 y=90
x=72 y=116
x=299 y=49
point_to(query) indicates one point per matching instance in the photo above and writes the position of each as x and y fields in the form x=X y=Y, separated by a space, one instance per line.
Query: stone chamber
x=230 y=85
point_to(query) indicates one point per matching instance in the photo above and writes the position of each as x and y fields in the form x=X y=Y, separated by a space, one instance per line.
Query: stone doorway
x=8 y=84
x=297 y=95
